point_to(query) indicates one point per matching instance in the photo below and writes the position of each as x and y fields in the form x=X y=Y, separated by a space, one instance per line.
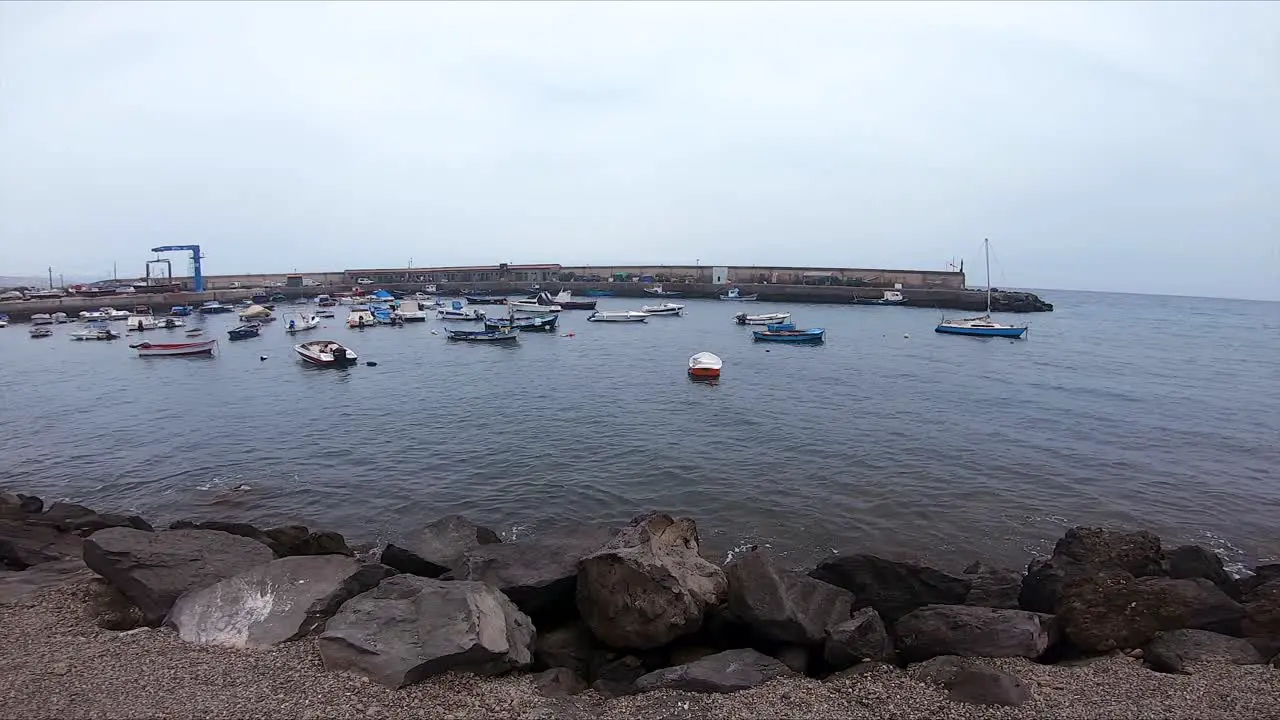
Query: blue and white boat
x=180 y=311
x=812 y=336
x=458 y=311
x=781 y=327
x=540 y=323
x=383 y=315
x=735 y=294
x=490 y=336
x=983 y=325
x=213 y=307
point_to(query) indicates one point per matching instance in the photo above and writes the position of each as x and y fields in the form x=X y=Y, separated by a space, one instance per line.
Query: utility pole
x=51 y=277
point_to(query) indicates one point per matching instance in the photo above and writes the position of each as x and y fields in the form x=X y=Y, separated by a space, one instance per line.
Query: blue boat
x=597 y=293
x=244 y=332
x=180 y=310
x=538 y=323
x=983 y=325
x=493 y=336
x=812 y=336
x=383 y=314
x=781 y=327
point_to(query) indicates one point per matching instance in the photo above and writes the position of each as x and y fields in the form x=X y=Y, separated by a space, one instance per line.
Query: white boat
x=296 y=322
x=255 y=312
x=763 y=319
x=61 y=317
x=325 y=301
x=170 y=323
x=359 y=317
x=41 y=319
x=539 y=306
x=663 y=309
x=113 y=314
x=705 y=365
x=983 y=325
x=143 y=322
x=411 y=311
x=657 y=290
x=734 y=294
x=618 y=316
x=326 y=353
x=39 y=332
x=94 y=331
x=150 y=349
x=93 y=315
x=889 y=297
x=458 y=311
x=326 y=313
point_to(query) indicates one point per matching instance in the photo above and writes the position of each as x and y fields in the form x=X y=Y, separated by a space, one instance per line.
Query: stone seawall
x=633 y=609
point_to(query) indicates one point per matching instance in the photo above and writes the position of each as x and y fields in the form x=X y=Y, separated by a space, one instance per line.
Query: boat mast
x=986 y=250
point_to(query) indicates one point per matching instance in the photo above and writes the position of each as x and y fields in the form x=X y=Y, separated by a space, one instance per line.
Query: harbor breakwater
x=967 y=300
x=629 y=609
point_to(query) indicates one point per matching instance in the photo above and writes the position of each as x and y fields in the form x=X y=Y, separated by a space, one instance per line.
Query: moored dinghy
x=244 y=332
x=983 y=325
x=890 y=297
x=39 y=332
x=565 y=300
x=812 y=336
x=150 y=349
x=504 y=335
x=657 y=290
x=326 y=353
x=663 y=309
x=540 y=323
x=618 y=316
x=764 y=319
x=458 y=311
x=736 y=294
x=296 y=322
x=705 y=365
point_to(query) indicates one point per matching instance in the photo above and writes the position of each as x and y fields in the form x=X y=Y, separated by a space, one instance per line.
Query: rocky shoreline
x=601 y=621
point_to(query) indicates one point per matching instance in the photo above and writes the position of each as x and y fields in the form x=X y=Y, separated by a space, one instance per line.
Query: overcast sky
x=1108 y=146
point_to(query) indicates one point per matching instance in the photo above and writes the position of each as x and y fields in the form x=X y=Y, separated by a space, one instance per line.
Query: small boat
x=213 y=307
x=254 y=312
x=411 y=311
x=734 y=294
x=4 y=320
x=812 y=336
x=598 y=293
x=113 y=314
x=170 y=323
x=540 y=323
x=764 y=319
x=141 y=310
x=244 y=332
x=565 y=300
x=180 y=310
x=296 y=323
x=360 y=316
x=326 y=353
x=39 y=332
x=485 y=299
x=260 y=297
x=41 y=319
x=540 y=305
x=663 y=309
x=325 y=301
x=194 y=332
x=618 y=316
x=279 y=298
x=96 y=330
x=93 y=315
x=457 y=311
x=381 y=296
x=890 y=297
x=491 y=336
x=983 y=325
x=423 y=297
x=657 y=290
x=142 y=322
x=326 y=313
x=60 y=318
x=705 y=365
x=150 y=349
x=781 y=327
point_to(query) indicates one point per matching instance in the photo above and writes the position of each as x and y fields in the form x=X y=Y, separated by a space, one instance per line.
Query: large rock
x=968 y=631
x=1192 y=561
x=893 y=588
x=783 y=606
x=1171 y=650
x=438 y=547
x=1082 y=553
x=282 y=600
x=649 y=585
x=153 y=569
x=539 y=574
x=1115 y=610
x=861 y=638
x=1262 y=610
x=570 y=646
x=291 y=540
x=23 y=545
x=70 y=517
x=993 y=587
x=409 y=628
x=724 y=672
x=244 y=530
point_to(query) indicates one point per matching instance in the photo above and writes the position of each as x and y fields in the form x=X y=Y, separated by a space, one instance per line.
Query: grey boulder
x=968 y=631
x=283 y=600
x=783 y=606
x=17 y=585
x=23 y=545
x=409 y=628
x=649 y=585
x=1170 y=651
x=70 y=517
x=436 y=548
x=154 y=569
x=861 y=638
x=724 y=672
x=1113 y=610
x=993 y=587
x=1192 y=561
x=893 y=588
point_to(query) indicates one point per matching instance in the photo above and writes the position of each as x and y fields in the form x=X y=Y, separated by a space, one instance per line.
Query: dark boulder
x=724 y=672
x=617 y=677
x=244 y=530
x=649 y=585
x=409 y=628
x=24 y=544
x=795 y=657
x=782 y=606
x=282 y=600
x=968 y=631
x=291 y=540
x=153 y=569
x=558 y=682
x=570 y=646
x=540 y=573
x=893 y=588
x=15 y=505
x=1192 y=561
x=1262 y=610
x=861 y=638
x=1171 y=650
x=980 y=685
x=1114 y=610
x=993 y=587
x=437 y=548
x=284 y=538
x=70 y=517
x=1262 y=575
x=1082 y=553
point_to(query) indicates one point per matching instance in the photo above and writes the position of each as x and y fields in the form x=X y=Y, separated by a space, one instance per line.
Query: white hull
x=466 y=314
x=89 y=316
x=297 y=325
x=705 y=364
x=623 y=316
x=361 y=318
x=663 y=309
x=325 y=352
x=41 y=319
x=118 y=315
x=420 y=316
x=175 y=349
x=532 y=308
x=767 y=319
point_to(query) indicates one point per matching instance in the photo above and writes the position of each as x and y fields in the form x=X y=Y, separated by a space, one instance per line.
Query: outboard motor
x=340 y=354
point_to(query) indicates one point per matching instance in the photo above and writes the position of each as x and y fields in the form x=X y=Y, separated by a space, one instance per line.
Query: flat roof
x=464 y=268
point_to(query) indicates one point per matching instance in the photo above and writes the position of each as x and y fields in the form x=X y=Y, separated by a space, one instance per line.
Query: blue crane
x=197 y=277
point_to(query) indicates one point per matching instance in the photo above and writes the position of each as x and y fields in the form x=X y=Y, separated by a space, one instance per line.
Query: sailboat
x=983 y=325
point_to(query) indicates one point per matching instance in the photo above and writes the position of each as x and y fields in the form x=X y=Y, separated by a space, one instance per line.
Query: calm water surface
x=1119 y=410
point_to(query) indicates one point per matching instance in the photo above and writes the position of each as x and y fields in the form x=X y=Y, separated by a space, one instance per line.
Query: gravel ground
x=56 y=662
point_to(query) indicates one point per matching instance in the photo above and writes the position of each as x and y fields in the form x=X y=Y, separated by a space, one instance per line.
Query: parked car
x=363 y=281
